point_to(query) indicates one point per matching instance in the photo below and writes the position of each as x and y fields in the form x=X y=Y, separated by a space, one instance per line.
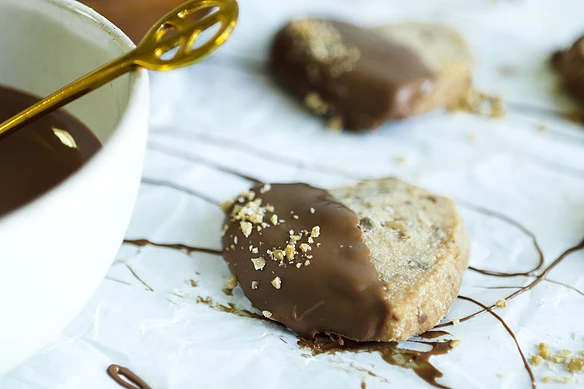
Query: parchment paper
x=226 y=112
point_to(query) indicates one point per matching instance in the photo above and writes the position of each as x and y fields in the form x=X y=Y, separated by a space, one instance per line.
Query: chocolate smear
x=390 y=352
x=434 y=334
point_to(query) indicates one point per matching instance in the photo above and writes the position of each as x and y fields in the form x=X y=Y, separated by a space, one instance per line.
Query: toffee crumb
x=258 y=263
x=277 y=283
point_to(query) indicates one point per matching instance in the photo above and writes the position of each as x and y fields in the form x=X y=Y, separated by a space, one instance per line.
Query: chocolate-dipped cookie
x=380 y=260
x=358 y=78
x=570 y=64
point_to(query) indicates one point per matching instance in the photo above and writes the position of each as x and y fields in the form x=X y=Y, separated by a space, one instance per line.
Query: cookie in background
x=133 y=17
x=358 y=78
x=570 y=65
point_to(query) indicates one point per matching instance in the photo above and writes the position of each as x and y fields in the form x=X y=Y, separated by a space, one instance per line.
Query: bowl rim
x=137 y=102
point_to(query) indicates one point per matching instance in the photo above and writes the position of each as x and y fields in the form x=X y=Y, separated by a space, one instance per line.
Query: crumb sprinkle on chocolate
x=258 y=263
x=315 y=233
x=277 y=283
x=246 y=228
x=324 y=44
x=265 y=188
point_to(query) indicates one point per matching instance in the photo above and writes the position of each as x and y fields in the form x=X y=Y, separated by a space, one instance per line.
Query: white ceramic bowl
x=55 y=251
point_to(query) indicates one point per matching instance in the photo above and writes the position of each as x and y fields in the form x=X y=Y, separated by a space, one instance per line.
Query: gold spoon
x=168 y=45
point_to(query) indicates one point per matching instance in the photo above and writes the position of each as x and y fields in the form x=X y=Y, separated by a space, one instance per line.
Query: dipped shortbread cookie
x=358 y=78
x=381 y=260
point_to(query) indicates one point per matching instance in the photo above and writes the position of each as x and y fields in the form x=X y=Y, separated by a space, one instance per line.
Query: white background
x=227 y=111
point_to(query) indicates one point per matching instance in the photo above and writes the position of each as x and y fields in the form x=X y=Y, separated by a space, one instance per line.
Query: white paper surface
x=226 y=111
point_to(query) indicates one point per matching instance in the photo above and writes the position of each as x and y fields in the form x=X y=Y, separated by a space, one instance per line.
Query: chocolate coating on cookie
x=570 y=64
x=300 y=258
x=348 y=74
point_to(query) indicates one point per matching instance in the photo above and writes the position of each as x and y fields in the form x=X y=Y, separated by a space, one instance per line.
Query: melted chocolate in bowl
x=39 y=156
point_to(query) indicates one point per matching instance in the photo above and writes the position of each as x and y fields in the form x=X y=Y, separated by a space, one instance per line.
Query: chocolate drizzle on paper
x=520 y=290
x=416 y=360
x=526 y=288
x=510 y=331
x=174 y=246
x=515 y=223
x=126 y=378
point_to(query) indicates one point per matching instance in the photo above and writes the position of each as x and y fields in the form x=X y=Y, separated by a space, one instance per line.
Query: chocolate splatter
x=174 y=246
x=126 y=378
x=390 y=352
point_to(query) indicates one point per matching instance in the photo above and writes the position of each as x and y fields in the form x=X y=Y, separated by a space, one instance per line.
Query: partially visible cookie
x=381 y=260
x=444 y=52
x=136 y=17
x=358 y=78
x=570 y=64
x=418 y=245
